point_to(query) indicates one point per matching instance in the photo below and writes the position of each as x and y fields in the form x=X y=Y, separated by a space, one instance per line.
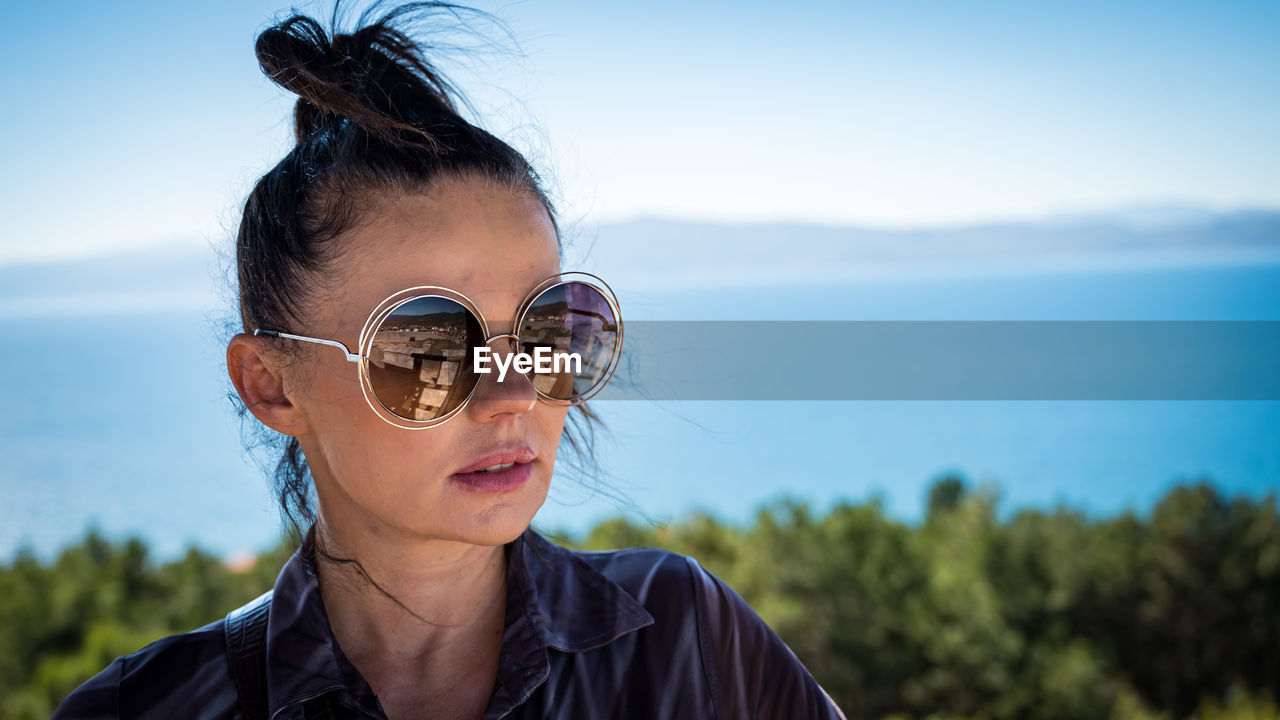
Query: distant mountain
x=658 y=252
x=675 y=252
x=171 y=277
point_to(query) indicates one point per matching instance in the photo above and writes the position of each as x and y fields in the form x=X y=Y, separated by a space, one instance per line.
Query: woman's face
x=492 y=245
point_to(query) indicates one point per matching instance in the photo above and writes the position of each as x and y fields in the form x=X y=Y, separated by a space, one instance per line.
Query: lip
x=522 y=455
x=498 y=480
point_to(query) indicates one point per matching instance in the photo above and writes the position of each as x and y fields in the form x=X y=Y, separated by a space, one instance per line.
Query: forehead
x=491 y=243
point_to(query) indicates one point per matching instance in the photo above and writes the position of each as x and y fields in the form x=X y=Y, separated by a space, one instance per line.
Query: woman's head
x=387 y=187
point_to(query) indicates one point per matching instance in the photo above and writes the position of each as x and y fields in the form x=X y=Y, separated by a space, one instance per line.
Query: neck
x=449 y=593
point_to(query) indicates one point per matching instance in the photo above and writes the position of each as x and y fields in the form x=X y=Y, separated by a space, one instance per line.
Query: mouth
x=497 y=472
x=501 y=459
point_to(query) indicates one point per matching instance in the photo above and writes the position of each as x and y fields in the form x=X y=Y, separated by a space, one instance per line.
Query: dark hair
x=373 y=116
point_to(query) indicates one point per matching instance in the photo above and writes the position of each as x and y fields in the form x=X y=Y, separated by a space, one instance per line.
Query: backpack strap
x=246 y=632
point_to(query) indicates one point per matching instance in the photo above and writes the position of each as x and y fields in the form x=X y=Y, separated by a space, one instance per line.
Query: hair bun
x=373 y=76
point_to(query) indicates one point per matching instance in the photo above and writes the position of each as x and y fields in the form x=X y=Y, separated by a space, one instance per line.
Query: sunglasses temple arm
x=351 y=357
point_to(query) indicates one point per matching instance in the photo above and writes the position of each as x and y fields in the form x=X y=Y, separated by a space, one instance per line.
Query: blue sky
x=144 y=123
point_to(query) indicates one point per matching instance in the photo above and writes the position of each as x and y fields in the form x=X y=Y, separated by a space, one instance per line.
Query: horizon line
x=182 y=245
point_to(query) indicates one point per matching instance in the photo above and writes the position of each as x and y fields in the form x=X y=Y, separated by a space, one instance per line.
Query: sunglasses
x=423 y=349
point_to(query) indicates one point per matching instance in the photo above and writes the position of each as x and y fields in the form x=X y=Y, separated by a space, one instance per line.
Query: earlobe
x=261 y=386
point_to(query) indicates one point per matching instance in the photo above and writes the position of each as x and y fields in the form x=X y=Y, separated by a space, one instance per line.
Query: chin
x=498 y=529
x=501 y=519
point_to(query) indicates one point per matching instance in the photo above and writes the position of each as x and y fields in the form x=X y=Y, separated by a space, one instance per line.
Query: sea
x=117 y=418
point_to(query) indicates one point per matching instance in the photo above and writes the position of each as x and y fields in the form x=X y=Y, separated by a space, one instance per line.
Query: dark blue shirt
x=638 y=633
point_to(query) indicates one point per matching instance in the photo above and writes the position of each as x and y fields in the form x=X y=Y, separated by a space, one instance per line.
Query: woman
x=391 y=250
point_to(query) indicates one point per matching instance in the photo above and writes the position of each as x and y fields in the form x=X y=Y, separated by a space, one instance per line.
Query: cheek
x=373 y=461
x=399 y=474
x=551 y=420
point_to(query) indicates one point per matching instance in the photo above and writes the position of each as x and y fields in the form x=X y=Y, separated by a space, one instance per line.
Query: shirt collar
x=554 y=600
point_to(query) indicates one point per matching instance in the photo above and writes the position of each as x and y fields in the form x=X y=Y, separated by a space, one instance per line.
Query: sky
x=142 y=123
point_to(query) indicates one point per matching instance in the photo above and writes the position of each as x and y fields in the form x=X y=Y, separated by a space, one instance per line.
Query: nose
x=513 y=395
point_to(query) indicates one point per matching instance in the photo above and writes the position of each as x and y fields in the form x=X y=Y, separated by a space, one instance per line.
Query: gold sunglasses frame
x=389 y=305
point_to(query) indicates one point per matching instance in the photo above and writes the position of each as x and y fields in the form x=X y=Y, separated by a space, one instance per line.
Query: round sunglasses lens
x=419 y=367
x=577 y=326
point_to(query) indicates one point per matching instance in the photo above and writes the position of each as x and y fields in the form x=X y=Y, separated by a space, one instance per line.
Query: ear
x=261 y=385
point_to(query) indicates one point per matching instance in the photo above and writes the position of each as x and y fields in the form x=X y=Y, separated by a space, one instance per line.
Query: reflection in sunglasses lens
x=419 y=366
x=571 y=318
